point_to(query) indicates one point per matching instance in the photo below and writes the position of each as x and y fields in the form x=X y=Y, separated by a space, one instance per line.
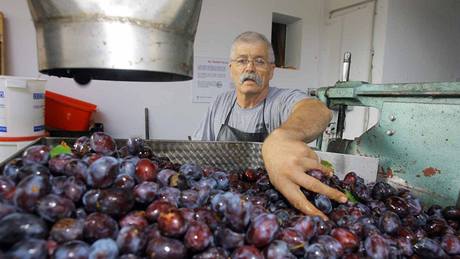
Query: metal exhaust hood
x=121 y=40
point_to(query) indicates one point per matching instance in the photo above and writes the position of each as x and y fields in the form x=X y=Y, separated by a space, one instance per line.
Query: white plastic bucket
x=22 y=108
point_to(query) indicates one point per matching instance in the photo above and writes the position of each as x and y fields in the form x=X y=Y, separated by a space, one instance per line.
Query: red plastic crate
x=66 y=113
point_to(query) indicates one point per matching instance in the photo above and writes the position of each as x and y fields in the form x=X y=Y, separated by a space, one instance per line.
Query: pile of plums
x=100 y=201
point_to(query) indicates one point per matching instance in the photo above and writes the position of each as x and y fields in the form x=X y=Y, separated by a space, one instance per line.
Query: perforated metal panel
x=224 y=155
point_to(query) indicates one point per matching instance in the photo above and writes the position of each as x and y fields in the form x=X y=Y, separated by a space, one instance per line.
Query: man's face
x=249 y=68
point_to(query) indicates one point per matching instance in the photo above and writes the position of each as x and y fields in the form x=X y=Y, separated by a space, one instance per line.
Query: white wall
x=414 y=40
x=422 y=41
x=172 y=113
x=379 y=40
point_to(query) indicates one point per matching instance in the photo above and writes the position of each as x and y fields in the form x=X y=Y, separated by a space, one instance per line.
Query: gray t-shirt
x=278 y=106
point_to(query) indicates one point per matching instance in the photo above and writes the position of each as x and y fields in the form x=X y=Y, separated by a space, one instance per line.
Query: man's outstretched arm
x=287 y=156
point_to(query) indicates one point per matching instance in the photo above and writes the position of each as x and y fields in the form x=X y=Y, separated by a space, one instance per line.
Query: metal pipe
x=332 y=12
x=366 y=115
x=341 y=121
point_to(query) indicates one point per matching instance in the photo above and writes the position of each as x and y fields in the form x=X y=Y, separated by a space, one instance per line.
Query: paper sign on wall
x=210 y=76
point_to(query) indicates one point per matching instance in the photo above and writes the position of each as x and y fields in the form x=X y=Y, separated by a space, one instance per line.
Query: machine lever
x=346 y=66
x=146 y=122
x=342 y=108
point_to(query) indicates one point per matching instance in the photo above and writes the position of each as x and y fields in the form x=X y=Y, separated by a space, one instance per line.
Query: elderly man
x=283 y=119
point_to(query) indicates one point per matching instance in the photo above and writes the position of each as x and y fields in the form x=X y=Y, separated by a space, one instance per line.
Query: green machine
x=417 y=137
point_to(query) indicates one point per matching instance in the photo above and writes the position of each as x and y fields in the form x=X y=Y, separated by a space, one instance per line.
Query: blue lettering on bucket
x=39 y=128
x=3 y=129
x=2 y=94
x=38 y=96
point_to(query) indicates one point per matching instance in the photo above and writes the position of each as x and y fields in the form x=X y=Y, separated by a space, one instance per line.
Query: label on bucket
x=39 y=128
x=3 y=112
x=38 y=96
x=38 y=111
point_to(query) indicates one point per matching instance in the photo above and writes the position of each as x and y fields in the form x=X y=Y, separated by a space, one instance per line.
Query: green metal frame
x=417 y=138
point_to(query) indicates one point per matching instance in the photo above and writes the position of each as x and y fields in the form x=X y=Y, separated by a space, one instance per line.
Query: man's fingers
x=297 y=199
x=312 y=163
x=310 y=154
x=314 y=185
x=326 y=170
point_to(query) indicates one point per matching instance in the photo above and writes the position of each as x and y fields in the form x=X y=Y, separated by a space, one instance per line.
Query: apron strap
x=229 y=112
x=263 y=115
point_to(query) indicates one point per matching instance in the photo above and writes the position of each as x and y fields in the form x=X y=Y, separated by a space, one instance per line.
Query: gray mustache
x=251 y=76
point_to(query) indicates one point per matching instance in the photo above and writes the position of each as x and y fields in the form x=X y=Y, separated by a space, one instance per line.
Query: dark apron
x=227 y=133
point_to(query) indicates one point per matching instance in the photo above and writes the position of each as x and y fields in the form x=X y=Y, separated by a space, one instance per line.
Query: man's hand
x=287 y=159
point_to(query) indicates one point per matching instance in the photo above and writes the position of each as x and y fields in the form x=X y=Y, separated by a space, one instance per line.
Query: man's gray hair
x=253 y=37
